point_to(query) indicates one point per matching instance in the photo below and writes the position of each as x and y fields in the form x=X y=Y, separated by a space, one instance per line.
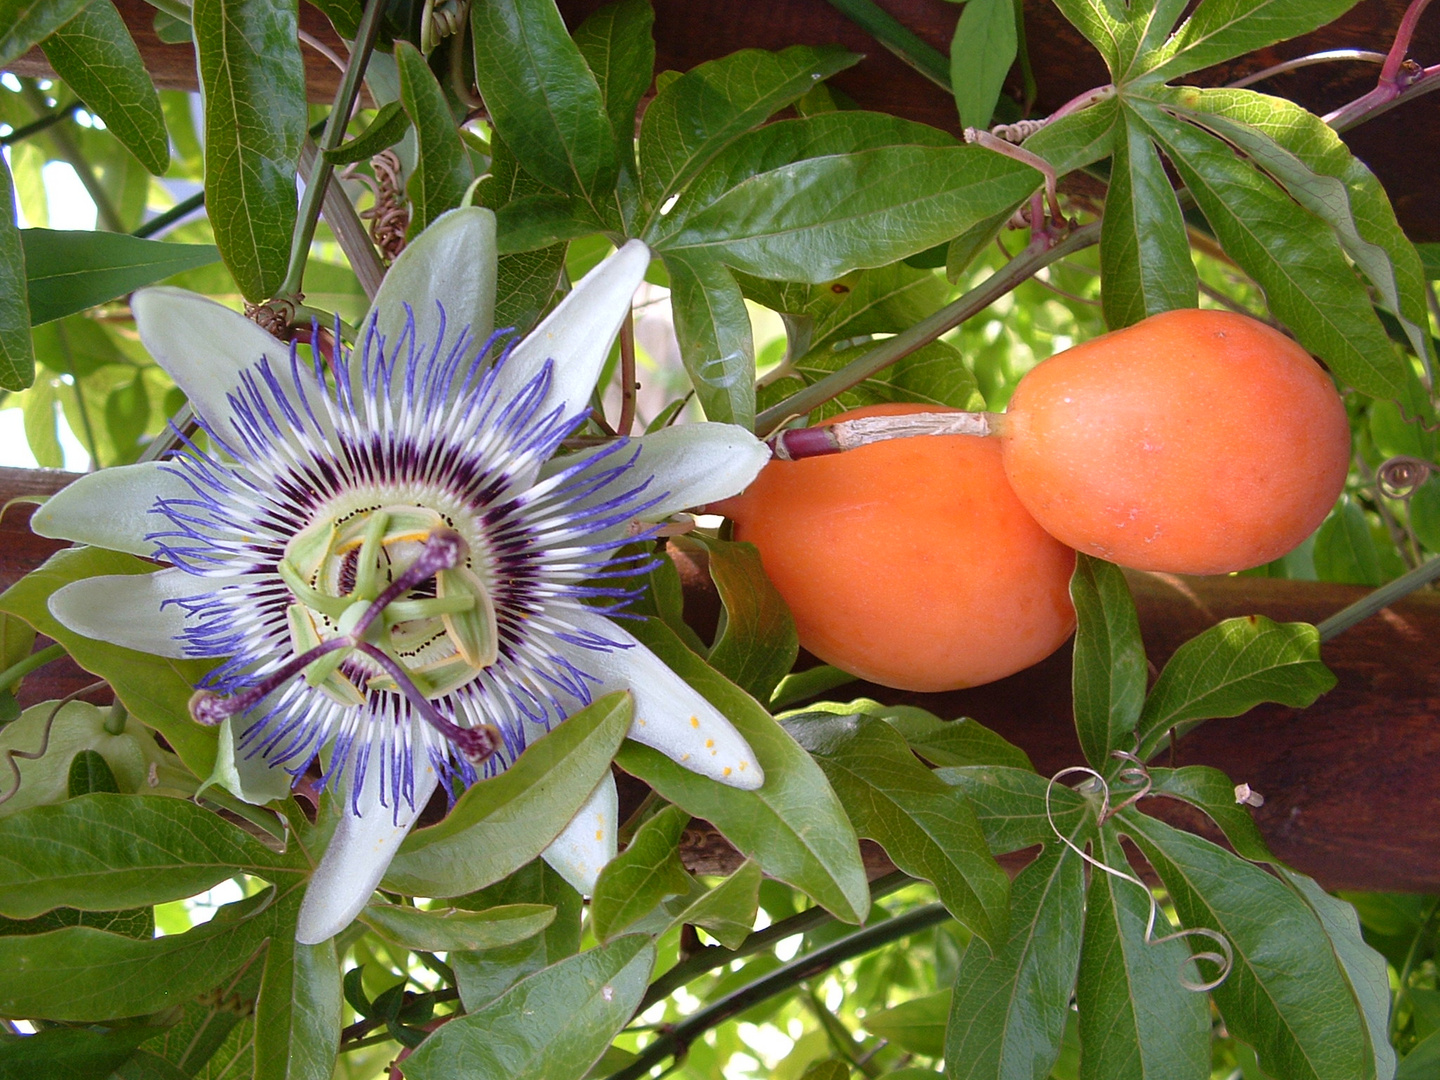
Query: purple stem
x=210 y=708
x=443 y=550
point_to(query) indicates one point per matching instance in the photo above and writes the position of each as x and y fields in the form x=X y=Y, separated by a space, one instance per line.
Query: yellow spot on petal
x=599 y=834
x=639 y=721
x=694 y=721
x=709 y=743
x=743 y=764
x=725 y=771
x=685 y=757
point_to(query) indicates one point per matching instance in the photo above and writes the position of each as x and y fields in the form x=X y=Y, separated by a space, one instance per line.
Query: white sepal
x=590 y=841
x=670 y=714
x=112 y=508
x=360 y=851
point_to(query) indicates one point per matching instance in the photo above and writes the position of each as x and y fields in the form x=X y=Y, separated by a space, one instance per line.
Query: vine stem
x=676 y=1040
x=1381 y=598
x=628 y=385
x=1395 y=80
x=924 y=332
x=15 y=672
x=345 y=97
x=35 y=127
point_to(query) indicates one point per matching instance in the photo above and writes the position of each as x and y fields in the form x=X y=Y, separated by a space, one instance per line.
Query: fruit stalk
x=797 y=443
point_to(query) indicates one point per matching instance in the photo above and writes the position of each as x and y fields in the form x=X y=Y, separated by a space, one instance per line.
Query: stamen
x=475 y=744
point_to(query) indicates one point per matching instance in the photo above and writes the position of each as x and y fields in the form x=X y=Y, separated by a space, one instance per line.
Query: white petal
x=590 y=840
x=125 y=609
x=251 y=779
x=452 y=264
x=359 y=852
x=670 y=715
x=578 y=333
x=204 y=347
x=112 y=508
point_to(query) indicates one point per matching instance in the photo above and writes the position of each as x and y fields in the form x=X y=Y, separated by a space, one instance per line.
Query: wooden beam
x=1349 y=783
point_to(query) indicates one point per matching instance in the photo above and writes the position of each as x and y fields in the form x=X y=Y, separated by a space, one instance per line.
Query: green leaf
x=981 y=53
x=1307 y=156
x=1423 y=1060
x=1213 y=792
x=1221 y=30
x=1292 y=254
x=934 y=374
x=713 y=328
x=726 y=912
x=24 y=23
x=1010 y=804
x=138 y=923
x=1079 y=139
x=645 y=873
x=105 y=851
x=1286 y=994
x=155 y=689
x=538 y=221
x=941 y=742
x=87 y=975
x=500 y=824
x=90 y=774
x=253 y=82
x=925 y=826
x=692 y=118
x=1364 y=967
x=484 y=975
x=757 y=644
x=543 y=100
x=127 y=415
x=1144 y=250
x=619 y=48
x=96 y=56
x=1345 y=550
x=828 y=1070
x=451 y=929
x=389 y=127
x=442 y=166
x=860 y=209
x=1137 y=1020
x=298 y=1014
x=68 y=1053
x=793 y=825
x=1110 y=666
x=1007 y=1014
x=1231 y=668
x=524 y=284
x=916 y=1026
x=72 y=271
x=550 y=1026
x=17 y=359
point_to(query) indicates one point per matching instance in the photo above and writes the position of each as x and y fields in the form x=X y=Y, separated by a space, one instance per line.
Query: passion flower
x=393 y=558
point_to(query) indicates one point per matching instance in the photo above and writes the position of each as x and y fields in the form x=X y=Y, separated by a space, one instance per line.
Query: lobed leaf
x=552 y=1025
x=388 y=127
x=1299 y=1013
x=794 y=826
x=1231 y=668
x=442 y=171
x=925 y=826
x=712 y=325
x=542 y=98
x=96 y=56
x=618 y=46
x=501 y=824
x=981 y=54
x=1007 y=1013
x=298 y=1012
x=454 y=930
x=105 y=851
x=1010 y=804
x=69 y=271
x=1110 y=666
x=253 y=82
x=17 y=357
x=24 y=23
x=1221 y=30
x=916 y=1026
x=640 y=877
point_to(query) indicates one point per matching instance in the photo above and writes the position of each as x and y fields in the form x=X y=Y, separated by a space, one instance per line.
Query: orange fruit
x=1194 y=442
x=909 y=563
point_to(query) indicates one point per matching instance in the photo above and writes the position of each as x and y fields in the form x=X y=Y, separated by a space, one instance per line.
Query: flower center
x=372 y=568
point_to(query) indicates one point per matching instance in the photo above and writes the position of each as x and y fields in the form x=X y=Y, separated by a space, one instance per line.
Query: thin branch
x=35 y=127
x=1328 y=56
x=628 y=386
x=181 y=210
x=884 y=28
x=1378 y=600
x=924 y=332
x=676 y=1041
x=69 y=150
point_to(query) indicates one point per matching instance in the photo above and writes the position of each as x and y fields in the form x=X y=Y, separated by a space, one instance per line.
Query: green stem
x=880 y=25
x=1404 y=981
x=163 y=221
x=677 y=1039
x=15 y=672
x=339 y=119
x=714 y=956
x=23 y=132
x=924 y=332
x=70 y=152
x=1382 y=597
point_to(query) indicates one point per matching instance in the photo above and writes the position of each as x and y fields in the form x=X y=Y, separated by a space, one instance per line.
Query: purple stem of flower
x=443 y=550
x=1395 y=76
x=210 y=708
x=475 y=744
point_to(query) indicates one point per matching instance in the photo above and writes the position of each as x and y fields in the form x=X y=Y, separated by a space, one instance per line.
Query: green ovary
x=443 y=632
